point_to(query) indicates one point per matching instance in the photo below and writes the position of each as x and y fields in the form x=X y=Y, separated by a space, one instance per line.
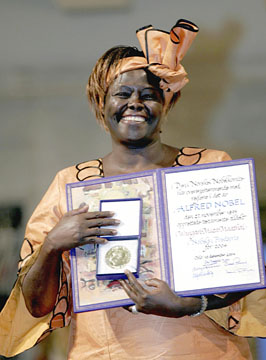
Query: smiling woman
x=130 y=91
x=133 y=109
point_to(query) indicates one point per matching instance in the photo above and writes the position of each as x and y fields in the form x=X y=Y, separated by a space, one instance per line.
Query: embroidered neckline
x=94 y=168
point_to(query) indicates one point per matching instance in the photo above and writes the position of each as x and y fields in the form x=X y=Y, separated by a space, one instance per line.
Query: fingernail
x=116 y=221
x=113 y=232
x=82 y=205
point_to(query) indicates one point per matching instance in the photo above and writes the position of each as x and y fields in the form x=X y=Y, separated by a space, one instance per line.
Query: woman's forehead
x=132 y=77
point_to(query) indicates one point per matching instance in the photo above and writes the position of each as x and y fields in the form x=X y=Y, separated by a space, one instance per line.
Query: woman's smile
x=131 y=119
x=134 y=108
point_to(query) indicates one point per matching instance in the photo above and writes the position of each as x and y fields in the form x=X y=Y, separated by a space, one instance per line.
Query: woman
x=130 y=92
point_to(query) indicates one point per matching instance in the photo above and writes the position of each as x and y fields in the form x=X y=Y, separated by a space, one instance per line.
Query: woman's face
x=133 y=109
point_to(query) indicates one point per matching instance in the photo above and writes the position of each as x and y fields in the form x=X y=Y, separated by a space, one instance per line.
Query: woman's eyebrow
x=125 y=87
x=130 y=87
x=151 y=88
x=122 y=88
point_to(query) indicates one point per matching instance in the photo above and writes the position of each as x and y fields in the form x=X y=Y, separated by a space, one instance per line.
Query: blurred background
x=47 y=50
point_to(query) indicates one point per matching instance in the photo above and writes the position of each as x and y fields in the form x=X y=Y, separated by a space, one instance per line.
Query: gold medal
x=117 y=257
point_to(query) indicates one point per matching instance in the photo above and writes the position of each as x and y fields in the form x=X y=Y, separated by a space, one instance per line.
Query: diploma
x=200 y=232
x=212 y=223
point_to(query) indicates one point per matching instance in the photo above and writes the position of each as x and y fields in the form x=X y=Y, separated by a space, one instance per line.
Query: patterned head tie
x=163 y=52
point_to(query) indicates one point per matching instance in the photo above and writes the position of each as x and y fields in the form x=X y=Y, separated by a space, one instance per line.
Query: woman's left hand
x=157 y=298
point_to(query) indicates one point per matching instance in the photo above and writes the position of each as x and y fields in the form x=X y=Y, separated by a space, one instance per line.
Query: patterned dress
x=116 y=334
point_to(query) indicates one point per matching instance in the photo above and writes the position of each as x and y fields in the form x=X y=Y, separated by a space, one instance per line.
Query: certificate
x=200 y=232
x=213 y=228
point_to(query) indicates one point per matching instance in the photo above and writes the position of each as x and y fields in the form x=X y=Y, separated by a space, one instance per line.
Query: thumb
x=153 y=282
x=83 y=208
x=82 y=205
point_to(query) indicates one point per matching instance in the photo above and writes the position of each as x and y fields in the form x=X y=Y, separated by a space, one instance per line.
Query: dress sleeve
x=20 y=330
x=246 y=317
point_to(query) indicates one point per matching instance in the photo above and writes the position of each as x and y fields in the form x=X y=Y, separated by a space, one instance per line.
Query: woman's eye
x=123 y=94
x=149 y=96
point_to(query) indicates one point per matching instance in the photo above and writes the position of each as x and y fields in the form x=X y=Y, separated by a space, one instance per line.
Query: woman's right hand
x=79 y=227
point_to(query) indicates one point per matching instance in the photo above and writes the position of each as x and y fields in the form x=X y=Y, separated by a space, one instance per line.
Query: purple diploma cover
x=200 y=232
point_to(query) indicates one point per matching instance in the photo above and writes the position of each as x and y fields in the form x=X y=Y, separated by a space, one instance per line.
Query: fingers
x=128 y=289
x=82 y=205
x=102 y=222
x=133 y=283
x=89 y=233
x=153 y=282
x=91 y=226
x=95 y=240
x=82 y=209
x=99 y=214
x=96 y=219
x=90 y=215
x=98 y=225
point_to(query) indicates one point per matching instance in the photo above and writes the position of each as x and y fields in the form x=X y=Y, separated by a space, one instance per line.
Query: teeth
x=134 y=118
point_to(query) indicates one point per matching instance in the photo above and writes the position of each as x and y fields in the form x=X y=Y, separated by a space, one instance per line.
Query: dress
x=116 y=334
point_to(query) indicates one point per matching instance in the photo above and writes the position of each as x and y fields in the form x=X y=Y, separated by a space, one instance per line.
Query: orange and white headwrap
x=163 y=52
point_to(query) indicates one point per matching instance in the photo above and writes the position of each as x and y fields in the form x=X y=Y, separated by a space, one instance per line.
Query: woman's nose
x=136 y=106
x=135 y=103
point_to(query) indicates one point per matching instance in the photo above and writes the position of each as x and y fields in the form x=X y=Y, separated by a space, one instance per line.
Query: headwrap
x=163 y=52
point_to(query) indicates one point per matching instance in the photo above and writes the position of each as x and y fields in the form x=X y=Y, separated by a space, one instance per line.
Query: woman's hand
x=79 y=227
x=76 y=228
x=155 y=297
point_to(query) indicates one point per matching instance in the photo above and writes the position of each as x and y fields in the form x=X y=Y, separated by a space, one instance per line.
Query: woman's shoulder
x=194 y=155
x=82 y=171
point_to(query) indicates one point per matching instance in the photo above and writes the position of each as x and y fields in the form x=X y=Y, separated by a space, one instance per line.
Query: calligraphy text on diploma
x=211 y=225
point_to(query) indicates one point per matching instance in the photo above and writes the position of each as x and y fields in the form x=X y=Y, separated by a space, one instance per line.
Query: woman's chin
x=136 y=142
x=133 y=136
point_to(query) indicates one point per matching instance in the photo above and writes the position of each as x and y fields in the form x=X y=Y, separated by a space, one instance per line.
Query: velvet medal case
x=122 y=251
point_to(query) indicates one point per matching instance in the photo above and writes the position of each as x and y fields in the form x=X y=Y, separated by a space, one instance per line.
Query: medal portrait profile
x=117 y=257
